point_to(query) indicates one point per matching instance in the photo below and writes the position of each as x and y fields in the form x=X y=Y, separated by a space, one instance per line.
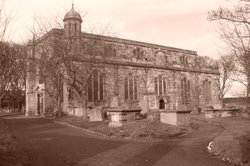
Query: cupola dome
x=72 y=14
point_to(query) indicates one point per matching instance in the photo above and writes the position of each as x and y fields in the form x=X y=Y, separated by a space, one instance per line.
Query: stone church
x=136 y=74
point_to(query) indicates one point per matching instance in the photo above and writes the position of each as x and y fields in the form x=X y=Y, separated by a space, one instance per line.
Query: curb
x=85 y=130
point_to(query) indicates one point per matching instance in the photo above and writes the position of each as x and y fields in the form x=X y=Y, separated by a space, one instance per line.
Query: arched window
x=185 y=91
x=75 y=30
x=207 y=91
x=160 y=86
x=130 y=88
x=96 y=87
x=69 y=28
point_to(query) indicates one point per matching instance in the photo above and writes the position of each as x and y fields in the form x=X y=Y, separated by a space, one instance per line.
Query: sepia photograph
x=125 y=83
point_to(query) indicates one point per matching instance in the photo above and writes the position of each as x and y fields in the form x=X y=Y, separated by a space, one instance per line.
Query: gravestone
x=176 y=118
x=119 y=116
x=95 y=114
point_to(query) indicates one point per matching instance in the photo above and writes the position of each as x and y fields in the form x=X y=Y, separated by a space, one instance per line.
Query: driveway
x=51 y=144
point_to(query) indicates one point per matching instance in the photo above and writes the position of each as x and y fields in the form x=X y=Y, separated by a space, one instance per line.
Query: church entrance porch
x=163 y=103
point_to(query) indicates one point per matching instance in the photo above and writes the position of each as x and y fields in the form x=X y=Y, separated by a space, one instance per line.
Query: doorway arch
x=161 y=104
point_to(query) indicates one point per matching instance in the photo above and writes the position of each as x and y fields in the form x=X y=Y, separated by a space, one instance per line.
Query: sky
x=176 y=23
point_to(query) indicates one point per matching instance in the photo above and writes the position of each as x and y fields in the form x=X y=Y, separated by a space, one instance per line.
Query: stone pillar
x=26 y=95
x=31 y=94
x=116 y=79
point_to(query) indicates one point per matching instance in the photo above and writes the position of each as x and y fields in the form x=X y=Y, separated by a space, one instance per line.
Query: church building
x=133 y=74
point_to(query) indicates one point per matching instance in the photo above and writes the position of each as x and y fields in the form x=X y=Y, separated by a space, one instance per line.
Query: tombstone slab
x=176 y=118
x=119 y=116
x=95 y=114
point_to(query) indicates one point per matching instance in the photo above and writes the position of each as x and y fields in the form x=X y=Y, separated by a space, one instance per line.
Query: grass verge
x=11 y=154
x=141 y=129
x=233 y=144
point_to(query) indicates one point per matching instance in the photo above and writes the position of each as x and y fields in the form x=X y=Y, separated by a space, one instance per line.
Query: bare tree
x=45 y=59
x=5 y=20
x=45 y=63
x=7 y=53
x=227 y=73
x=65 y=59
x=235 y=31
x=80 y=67
x=12 y=68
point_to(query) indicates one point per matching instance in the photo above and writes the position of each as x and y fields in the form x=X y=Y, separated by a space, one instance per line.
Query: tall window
x=160 y=86
x=69 y=30
x=185 y=91
x=184 y=60
x=130 y=88
x=75 y=30
x=207 y=91
x=96 y=87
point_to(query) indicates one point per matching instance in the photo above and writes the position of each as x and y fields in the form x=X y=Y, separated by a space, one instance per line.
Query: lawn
x=233 y=144
x=144 y=129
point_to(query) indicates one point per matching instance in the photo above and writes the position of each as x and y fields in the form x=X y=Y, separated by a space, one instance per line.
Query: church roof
x=72 y=14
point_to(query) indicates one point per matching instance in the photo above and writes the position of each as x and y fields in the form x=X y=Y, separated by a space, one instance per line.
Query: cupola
x=72 y=23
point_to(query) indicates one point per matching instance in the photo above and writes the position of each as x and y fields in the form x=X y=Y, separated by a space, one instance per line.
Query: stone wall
x=114 y=86
x=239 y=102
x=132 y=59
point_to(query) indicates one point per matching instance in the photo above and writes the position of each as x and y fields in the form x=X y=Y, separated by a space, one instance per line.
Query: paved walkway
x=52 y=144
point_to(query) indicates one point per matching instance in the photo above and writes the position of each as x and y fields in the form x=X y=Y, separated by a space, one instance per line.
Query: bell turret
x=72 y=23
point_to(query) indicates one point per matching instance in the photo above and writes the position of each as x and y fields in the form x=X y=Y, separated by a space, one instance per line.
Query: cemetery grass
x=141 y=129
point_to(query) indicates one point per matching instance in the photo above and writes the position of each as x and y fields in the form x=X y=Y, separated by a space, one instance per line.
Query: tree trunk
x=59 y=104
x=1 y=96
x=147 y=102
x=59 y=107
x=84 y=107
x=248 y=91
x=19 y=106
x=222 y=102
x=0 y=102
x=248 y=86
